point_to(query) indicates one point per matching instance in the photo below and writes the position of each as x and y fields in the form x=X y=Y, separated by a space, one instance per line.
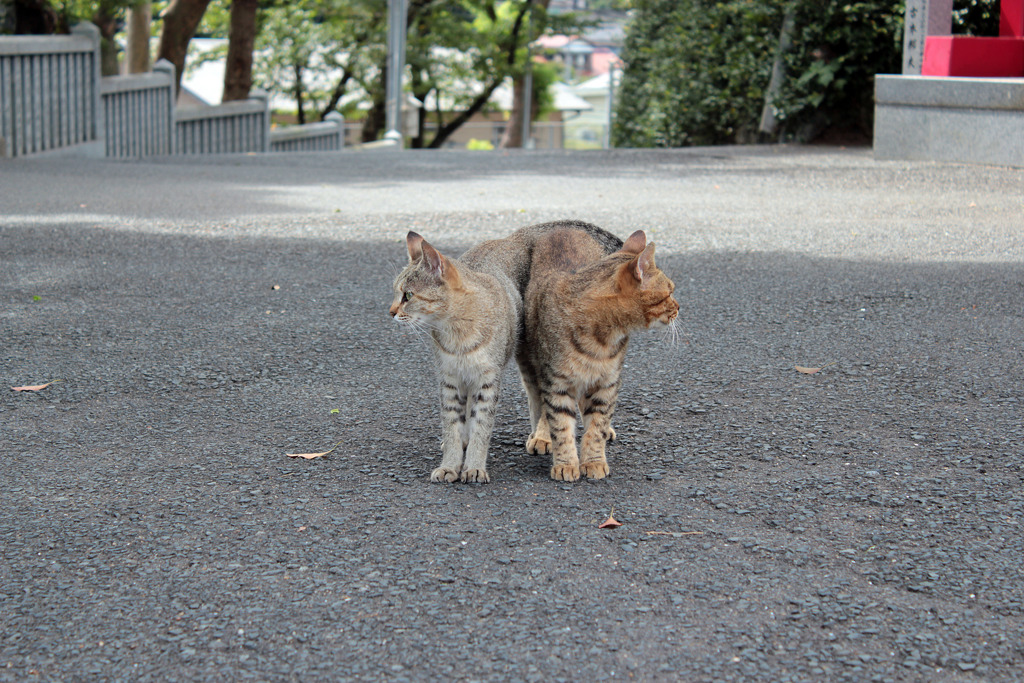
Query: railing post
x=165 y=67
x=95 y=120
x=258 y=94
x=338 y=120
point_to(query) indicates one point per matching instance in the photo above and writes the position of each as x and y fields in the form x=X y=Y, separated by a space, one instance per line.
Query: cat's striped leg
x=597 y=408
x=560 y=411
x=482 y=406
x=453 y=426
x=539 y=441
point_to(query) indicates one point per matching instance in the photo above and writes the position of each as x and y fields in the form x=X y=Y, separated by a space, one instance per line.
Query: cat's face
x=642 y=289
x=659 y=306
x=422 y=289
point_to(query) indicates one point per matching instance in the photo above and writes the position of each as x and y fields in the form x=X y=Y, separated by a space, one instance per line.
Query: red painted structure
x=980 y=56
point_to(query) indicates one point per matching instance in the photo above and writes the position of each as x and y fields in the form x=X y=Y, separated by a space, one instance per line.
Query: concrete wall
x=972 y=120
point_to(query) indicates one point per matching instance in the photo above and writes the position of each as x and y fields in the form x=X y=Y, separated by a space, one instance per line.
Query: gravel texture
x=208 y=316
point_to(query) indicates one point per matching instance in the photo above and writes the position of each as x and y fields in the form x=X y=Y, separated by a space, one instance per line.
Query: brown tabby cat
x=580 y=307
x=471 y=309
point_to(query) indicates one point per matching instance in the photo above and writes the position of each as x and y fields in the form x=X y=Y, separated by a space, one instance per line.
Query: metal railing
x=49 y=93
x=139 y=112
x=327 y=136
x=52 y=98
x=230 y=128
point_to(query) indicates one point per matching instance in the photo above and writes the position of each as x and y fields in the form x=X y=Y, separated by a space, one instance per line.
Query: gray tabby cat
x=471 y=310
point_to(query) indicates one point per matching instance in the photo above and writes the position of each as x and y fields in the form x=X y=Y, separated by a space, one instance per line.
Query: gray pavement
x=206 y=317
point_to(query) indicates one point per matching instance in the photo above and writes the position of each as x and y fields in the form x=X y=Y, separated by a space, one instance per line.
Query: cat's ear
x=635 y=243
x=639 y=269
x=414 y=242
x=645 y=264
x=439 y=266
x=432 y=258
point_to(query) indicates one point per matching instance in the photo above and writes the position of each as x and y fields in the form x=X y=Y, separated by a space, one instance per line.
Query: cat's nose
x=393 y=310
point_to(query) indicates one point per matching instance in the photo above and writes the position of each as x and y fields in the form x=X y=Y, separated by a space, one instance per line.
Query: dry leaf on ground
x=811 y=371
x=610 y=523
x=34 y=387
x=311 y=456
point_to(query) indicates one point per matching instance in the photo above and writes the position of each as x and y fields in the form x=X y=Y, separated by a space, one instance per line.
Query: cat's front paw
x=565 y=473
x=444 y=474
x=611 y=434
x=594 y=470
x=538 y=445
x=479 y=476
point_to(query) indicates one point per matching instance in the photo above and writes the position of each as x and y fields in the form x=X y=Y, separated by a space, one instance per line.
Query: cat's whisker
x=396 y=268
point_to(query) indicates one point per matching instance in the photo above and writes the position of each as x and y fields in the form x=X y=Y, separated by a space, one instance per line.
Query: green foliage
x=545 y=74
x=311 y=50
x=459 y=50
x=697 y=70
x=976 y=17
x=455 y=44
x=71 y=12
x=323 y=49
x=837 y=50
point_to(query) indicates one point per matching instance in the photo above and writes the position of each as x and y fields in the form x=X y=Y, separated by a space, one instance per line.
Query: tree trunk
x=513 y=136
x=298 y=94
x=241 y=39
x=140 y=17
x=31 y=17
x=769 y=121
x=375 y=119
x=6 y=16
x=337 y=93
x=181 y=18
x=445 y=131
x=105 y=20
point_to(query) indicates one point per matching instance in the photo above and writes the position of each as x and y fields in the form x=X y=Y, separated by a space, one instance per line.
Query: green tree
x=697 y=70
x=459 y=54
x=180 y=19
x=317 y=51
x=107 y=15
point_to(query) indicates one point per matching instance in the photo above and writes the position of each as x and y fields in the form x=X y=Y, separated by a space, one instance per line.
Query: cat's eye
x=407 y=296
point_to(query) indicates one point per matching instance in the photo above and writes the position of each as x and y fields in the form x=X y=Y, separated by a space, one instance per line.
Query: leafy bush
x=698 y=70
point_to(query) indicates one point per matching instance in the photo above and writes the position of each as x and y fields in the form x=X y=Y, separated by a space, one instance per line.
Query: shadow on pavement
x=861 y=521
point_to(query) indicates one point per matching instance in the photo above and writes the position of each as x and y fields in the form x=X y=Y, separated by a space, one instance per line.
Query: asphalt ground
x=207 y=316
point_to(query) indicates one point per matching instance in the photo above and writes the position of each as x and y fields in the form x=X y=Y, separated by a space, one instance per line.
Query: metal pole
x=527 y=142
x=528 y=104
x=611 y=106
x=396 y=69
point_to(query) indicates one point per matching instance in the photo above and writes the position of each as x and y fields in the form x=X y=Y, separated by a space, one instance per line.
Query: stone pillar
x=923 y=18
x=94 y=116
x=166 y=118
x=339 y=121
x=264 y=97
